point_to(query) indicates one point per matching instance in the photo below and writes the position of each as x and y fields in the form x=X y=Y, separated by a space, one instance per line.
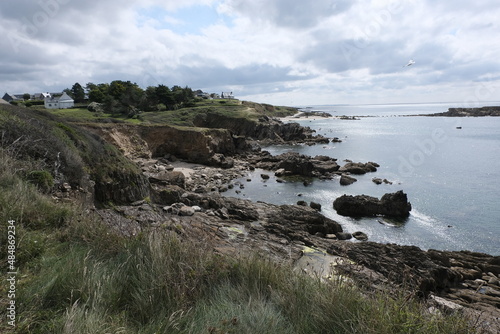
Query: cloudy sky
x=290 y=52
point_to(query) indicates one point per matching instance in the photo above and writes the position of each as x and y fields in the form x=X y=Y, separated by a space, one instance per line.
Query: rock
x=168 y=195
x=324 y=158
x=65 y=187
x=360 y=236
x=315 y=206
x=186 y=211
x=346 y=180
x=264 y=176
x=95 y=107
x=378 y=180
x=359 y=168
x=280 y=172
x=280 y=181
x=343 y=235
x=392 y=205
x=295 y=164
x=220 y=160
x=323 y=167
x=169 y=178
x=494 y=281
x=302 y=203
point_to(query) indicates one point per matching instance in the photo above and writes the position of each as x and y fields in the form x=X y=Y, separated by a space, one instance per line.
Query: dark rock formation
x=360 y=236
x=293 y=163
x=393 y=205
x=359 y=168
x=470 y=112
x=346 y=180
x=315 y=206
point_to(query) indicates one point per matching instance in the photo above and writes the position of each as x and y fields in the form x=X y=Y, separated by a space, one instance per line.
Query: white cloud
x=273 y=51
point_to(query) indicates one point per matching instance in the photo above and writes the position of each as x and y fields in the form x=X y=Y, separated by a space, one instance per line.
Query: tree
x=78 y=93
x=96 y=95
x=26 y=96
x=165 y=96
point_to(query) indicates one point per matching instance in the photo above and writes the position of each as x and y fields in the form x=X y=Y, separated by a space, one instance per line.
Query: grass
x=180 y=117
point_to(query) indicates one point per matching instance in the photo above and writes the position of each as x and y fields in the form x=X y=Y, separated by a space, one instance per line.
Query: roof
x=65 y=97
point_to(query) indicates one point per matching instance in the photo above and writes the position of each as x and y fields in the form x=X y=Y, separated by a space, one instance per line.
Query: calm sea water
x=451 y=176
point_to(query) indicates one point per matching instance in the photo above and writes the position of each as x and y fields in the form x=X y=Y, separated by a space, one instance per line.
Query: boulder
x=169 y=178
x=187 y=211
x=220 y=160
x=343 y=236
x=346 y=180
x=392 y=205
x=296 y=164
x=359 y=168
x=280 y=172
x=315 y=206
x=95 y=107
x=360 y=236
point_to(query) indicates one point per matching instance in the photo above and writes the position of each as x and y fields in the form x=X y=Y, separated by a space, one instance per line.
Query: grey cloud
x=291 y=13
x=217 y=75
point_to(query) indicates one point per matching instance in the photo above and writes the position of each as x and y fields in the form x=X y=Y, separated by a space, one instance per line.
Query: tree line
x=125 y=97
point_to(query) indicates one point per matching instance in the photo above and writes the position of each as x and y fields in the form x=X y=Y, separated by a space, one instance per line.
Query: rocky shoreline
x=187 y=198
x=469 y=112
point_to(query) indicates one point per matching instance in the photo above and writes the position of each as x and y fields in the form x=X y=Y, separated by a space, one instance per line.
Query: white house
x=59 y=102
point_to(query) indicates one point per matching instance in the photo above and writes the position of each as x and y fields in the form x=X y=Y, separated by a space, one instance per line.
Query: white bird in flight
x=411 y=62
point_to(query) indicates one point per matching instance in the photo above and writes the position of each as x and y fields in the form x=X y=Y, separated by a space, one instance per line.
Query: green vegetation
x=184 y=116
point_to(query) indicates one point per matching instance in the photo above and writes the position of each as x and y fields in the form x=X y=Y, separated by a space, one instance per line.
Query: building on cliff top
x=62 y=101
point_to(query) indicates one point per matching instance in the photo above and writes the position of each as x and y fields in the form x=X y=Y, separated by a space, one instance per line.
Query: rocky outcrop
x=466 y=279
x=121 y=188
x=392 y=205
x=359 y=168
x=469 y=112
x=293 y=163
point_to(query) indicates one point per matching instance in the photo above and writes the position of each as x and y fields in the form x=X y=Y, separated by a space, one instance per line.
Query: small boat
x=459 y=127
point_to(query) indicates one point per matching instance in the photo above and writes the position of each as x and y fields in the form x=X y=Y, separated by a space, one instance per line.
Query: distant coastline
x=469 y=112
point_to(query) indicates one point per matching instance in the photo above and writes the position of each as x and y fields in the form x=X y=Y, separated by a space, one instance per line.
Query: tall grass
x=160 y=284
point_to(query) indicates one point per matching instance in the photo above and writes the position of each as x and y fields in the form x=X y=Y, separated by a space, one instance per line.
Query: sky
x=284 y=52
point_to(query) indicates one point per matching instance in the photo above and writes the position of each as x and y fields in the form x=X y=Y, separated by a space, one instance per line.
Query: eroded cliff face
x=196 y=145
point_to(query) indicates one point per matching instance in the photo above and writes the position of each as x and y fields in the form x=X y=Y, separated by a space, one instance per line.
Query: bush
x=42 y=179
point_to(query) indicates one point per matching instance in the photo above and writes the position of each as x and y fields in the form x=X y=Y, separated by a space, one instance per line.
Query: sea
x=449 y=168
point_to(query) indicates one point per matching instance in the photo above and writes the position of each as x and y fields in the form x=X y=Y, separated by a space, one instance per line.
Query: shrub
x=42 y=179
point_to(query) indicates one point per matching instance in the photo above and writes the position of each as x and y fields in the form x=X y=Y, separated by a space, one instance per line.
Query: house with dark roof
x=13 y=97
